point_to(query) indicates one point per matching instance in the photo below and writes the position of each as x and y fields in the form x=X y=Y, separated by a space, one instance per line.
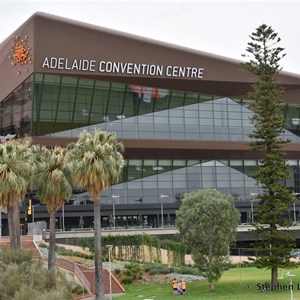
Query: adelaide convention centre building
x=182 y=115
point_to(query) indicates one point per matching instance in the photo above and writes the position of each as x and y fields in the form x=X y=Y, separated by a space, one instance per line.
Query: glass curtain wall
x=144 y=180
x=16 y=110
x=63 y=103
x=64 y=106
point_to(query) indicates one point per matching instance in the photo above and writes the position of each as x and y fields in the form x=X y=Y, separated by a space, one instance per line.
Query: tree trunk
x=274 y=269
x=51 y=253
x=210 y=268
x=17 y=224
x=11 y=226
x=13 y=215
x=274 y=276
x=99 y=285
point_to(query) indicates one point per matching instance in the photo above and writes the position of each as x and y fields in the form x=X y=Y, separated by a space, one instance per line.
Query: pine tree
x=275 y=244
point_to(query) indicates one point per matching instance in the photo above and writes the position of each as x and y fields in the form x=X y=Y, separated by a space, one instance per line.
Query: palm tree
x=16 y=170
x=97 y=160
x=53 y=186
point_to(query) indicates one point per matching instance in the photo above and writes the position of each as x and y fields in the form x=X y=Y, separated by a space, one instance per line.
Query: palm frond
x=96 y=159
x=53 y=181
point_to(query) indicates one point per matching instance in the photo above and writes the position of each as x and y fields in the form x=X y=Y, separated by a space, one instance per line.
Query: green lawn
x=235 y=284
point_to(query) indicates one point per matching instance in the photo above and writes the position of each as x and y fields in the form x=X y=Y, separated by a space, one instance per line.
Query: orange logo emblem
x=20 y=52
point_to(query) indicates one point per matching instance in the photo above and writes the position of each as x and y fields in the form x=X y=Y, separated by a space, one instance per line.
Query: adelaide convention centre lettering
x=62 y=63
x=88 y=65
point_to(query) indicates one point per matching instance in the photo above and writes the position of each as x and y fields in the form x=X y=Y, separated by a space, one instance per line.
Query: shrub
x=157 y=269
x=134 y=242
x=147 y=268
x=28 y=293
x=154 y=271
x=78 y=290
x=22 y=278
x=128 y=273
x=132 y=266
x=188 y=270
x=65 y=252
x=126 y=279
x=18 y=257
x=118 y=271
x=133 y=269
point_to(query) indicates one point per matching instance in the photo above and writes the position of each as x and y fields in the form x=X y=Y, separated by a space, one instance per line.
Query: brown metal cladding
x=52 y=36
x=166 y=149
x=60 y=37
x=8 y=73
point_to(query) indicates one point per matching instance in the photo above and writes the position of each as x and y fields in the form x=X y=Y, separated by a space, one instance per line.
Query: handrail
x=81 y=275
x=115 y=280
x=36 y=246
x=73 y=267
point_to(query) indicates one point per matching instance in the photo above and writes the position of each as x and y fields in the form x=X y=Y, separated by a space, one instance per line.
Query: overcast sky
x=219 y=27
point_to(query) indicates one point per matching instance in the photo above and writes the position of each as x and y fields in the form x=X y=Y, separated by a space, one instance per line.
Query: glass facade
x=148 y=179
x=16 y=110
x=213 y=120
x=59 y=106
x=64 y=103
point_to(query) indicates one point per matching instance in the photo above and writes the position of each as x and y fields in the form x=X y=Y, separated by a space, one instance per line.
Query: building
x=182 y=114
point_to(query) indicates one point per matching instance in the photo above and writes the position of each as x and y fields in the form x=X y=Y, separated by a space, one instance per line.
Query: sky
x=219 y=27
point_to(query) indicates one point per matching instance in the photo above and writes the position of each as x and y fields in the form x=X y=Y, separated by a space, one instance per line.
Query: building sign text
x=90 y=65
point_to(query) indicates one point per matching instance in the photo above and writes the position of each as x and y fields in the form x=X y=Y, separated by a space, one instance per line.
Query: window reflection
x=64 y=103
x=16 y=110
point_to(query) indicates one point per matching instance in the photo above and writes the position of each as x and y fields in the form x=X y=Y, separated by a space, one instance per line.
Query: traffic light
x=29 y=211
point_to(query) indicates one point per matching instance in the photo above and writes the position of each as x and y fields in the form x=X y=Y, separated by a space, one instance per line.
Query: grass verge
x=235 y=284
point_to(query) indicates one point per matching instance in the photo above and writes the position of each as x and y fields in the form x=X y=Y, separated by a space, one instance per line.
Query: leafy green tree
x=97 y=161
x=207 y=221
x=53 y=184
x=16 y=170
x=272 y=171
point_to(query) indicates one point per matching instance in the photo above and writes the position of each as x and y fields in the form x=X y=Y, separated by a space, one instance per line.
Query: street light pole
x=290 y=276
x=113 y=197
x=32 y=213
x=162 y=214
x=252 y=211
x=63 y=217
x=162 y=208
x=294 y=207
x=0 y=226
x=109 y=262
